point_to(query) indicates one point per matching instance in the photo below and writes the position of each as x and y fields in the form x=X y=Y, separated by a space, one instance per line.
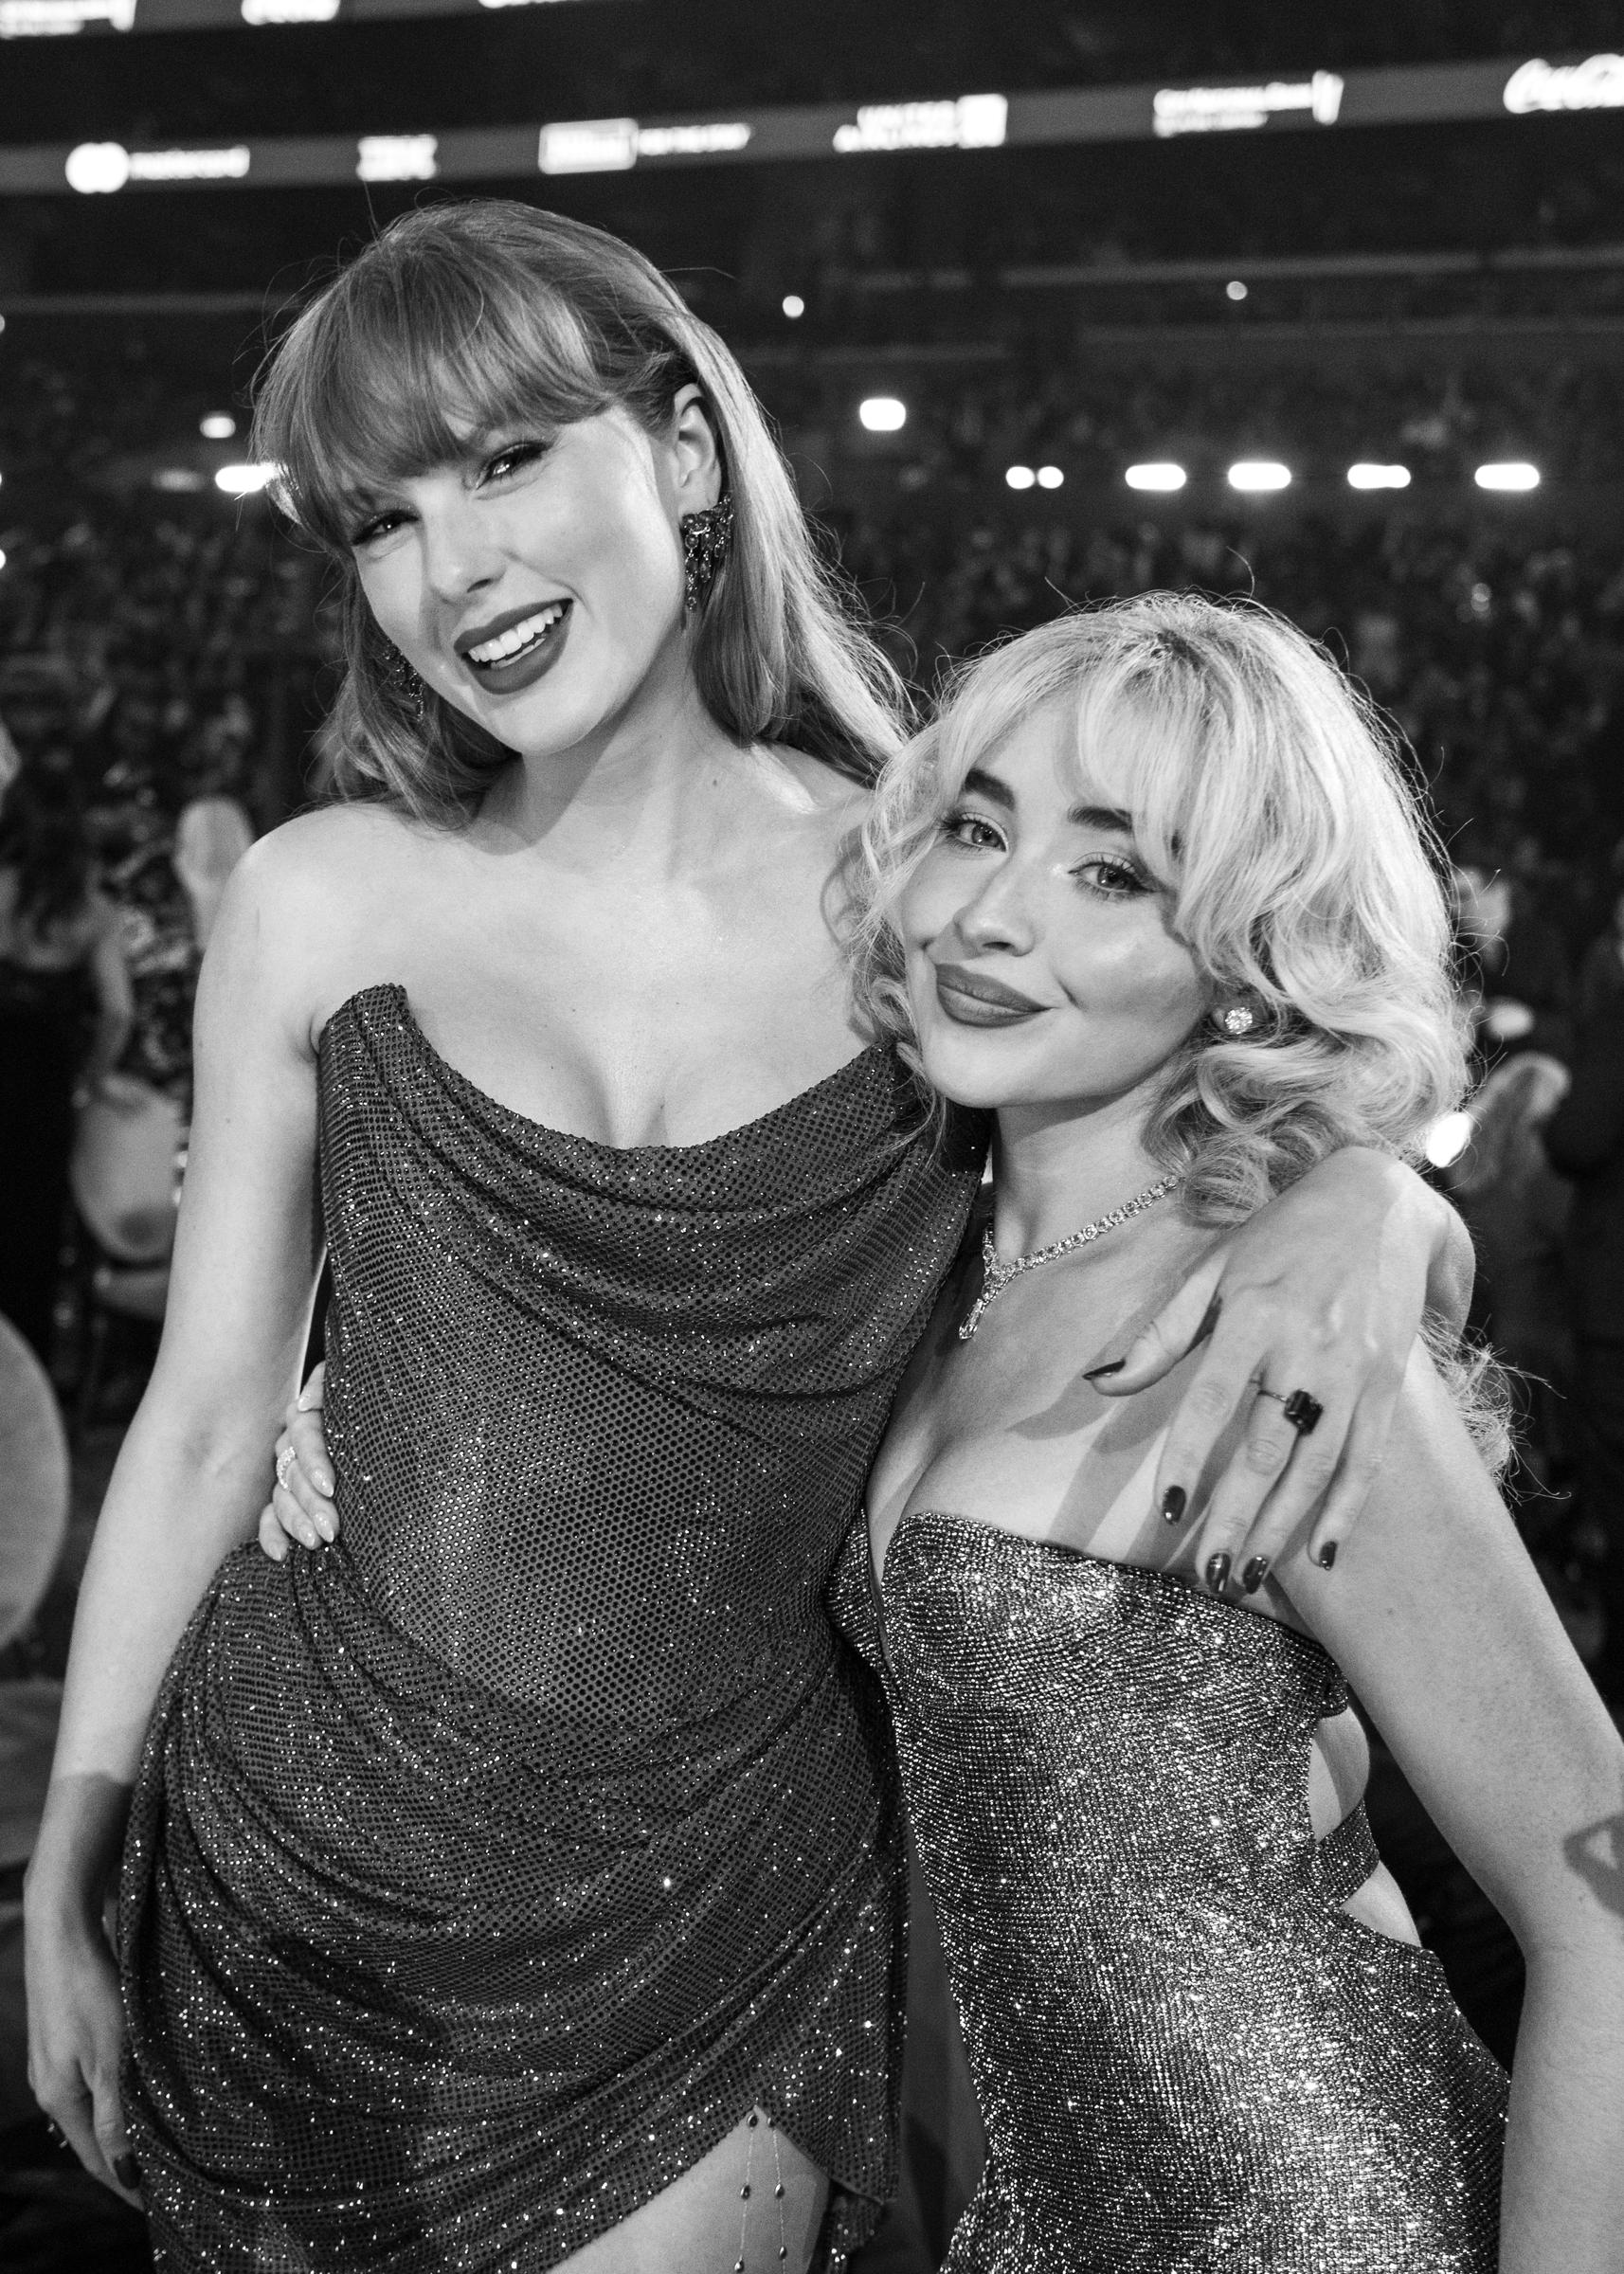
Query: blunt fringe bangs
x=474 y=317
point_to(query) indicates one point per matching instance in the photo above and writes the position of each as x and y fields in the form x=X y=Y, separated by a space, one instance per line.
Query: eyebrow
x=1102 y=817
x=1083 y=817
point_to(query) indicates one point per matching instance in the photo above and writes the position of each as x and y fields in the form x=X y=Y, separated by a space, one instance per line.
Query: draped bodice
x=601 y=1417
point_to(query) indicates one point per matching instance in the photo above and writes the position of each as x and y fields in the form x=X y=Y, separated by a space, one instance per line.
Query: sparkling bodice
x=1188 y=2056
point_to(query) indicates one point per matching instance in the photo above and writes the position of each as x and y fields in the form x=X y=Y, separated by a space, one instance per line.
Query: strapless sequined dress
x=1189 y=2060
x=485 y=1869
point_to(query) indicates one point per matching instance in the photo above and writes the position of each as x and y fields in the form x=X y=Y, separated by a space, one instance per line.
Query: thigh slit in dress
x=485 y=1868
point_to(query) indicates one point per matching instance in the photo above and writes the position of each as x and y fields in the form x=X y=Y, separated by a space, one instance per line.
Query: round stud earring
x=1234 y=1021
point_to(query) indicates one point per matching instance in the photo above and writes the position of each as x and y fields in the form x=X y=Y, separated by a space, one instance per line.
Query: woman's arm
x=1442 y=1626
x=1323 y=1290
x=189 y=1481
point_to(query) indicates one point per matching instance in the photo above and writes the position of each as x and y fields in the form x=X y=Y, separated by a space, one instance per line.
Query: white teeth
x=516 y=636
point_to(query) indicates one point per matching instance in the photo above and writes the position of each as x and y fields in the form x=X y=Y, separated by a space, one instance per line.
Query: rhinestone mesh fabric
x=1188 y=2058
x=486 y=1868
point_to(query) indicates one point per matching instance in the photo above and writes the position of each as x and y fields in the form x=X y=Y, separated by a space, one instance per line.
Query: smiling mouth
x=970 y=998
x=516 y=642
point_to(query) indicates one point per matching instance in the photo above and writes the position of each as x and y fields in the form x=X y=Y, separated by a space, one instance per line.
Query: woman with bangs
x=515 y=1880
x=1152 y=892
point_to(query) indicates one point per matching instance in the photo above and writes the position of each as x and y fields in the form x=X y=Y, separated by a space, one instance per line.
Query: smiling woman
x=468 y=345
x=513 y=1866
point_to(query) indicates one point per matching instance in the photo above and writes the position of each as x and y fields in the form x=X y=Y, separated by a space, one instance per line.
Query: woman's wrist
x=77 y=1850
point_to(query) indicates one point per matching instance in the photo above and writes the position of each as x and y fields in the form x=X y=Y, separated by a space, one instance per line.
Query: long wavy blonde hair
x=469 y=317
x=1270 y=803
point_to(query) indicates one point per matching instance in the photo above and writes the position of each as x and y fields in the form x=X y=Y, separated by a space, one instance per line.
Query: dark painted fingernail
x=128 y=2172
x=1254 y=1574
x=1328 y=1555
x=1173 y=1503
x=1113 y=1365
x=1217 y=1574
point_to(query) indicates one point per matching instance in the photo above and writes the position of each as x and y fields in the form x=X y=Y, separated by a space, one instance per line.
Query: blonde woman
x=1153 y=891
x=515 y=1880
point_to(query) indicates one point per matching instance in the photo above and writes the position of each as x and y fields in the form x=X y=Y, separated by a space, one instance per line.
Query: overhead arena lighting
x=1234 y=290
x=882 y=414
x=794 y=305
x=1020 y=477
x=219 y=426
x=1259 y=474
x=1508 y=474
x=1156 y=474
x=245 y=481
x=1050 y=478
x=1368 y=475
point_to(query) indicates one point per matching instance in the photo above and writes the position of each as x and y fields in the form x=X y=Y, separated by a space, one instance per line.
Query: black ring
x=1303 y=1412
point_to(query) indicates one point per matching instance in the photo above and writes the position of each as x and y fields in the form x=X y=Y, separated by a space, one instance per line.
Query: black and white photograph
x=811 y=1137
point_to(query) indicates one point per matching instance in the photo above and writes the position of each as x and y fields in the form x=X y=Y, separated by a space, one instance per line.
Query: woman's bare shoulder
x=312 y=906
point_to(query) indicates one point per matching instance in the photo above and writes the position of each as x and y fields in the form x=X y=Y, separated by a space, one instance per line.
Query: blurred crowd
x=163 y=653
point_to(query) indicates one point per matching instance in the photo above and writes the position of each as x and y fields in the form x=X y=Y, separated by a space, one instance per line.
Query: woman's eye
x=508 y=462
x=1112 y=879
x=381 y=525
x=974 y=830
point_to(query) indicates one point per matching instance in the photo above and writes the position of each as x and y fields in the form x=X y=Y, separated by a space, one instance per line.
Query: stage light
x=219 y=426
x=1156 y=474
x=1235 y=289
x=1448 y=1138
x=1367 y=475
x=1259 y=474
x=1508 y=474
x=2 y=559
x=794 y=305
x=1020 y=477
x=243 y=481
x=1050 y=478
x=882 y=414
x=180 y=480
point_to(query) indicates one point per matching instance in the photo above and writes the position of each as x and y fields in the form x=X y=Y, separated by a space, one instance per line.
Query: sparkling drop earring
x=403 y=682
x=706 y=540
x=1234 y=1021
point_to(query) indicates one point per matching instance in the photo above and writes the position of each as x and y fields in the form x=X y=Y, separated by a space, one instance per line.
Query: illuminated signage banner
x=56 y=19
x=1326 y=101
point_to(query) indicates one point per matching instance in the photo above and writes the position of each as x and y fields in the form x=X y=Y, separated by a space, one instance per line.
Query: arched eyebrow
x=1102 y=817
x=982 y=784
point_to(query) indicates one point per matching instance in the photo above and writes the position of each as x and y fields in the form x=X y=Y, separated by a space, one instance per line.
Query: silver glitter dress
x=1188 y=2058
x=485 y=1868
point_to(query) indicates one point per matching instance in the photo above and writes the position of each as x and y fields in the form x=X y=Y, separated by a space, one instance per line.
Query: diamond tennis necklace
x=996 y=1276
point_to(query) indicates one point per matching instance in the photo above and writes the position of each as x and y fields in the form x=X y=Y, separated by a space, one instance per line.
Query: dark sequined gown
x=1189 y=2060
x=485 y=1869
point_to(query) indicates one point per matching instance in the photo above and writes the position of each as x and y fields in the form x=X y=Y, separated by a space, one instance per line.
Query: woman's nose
x=999 y=915
x=457 y=552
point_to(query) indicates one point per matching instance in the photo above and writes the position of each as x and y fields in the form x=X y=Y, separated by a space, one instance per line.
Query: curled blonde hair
x=1269 y=801
x=469 y=317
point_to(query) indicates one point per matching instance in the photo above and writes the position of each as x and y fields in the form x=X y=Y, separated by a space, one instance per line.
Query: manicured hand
x=301 y=1507
x=1323 y=1290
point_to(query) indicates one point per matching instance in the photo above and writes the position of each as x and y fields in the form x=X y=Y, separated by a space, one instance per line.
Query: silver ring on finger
x=1303 y=1410
x=287 y=1460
